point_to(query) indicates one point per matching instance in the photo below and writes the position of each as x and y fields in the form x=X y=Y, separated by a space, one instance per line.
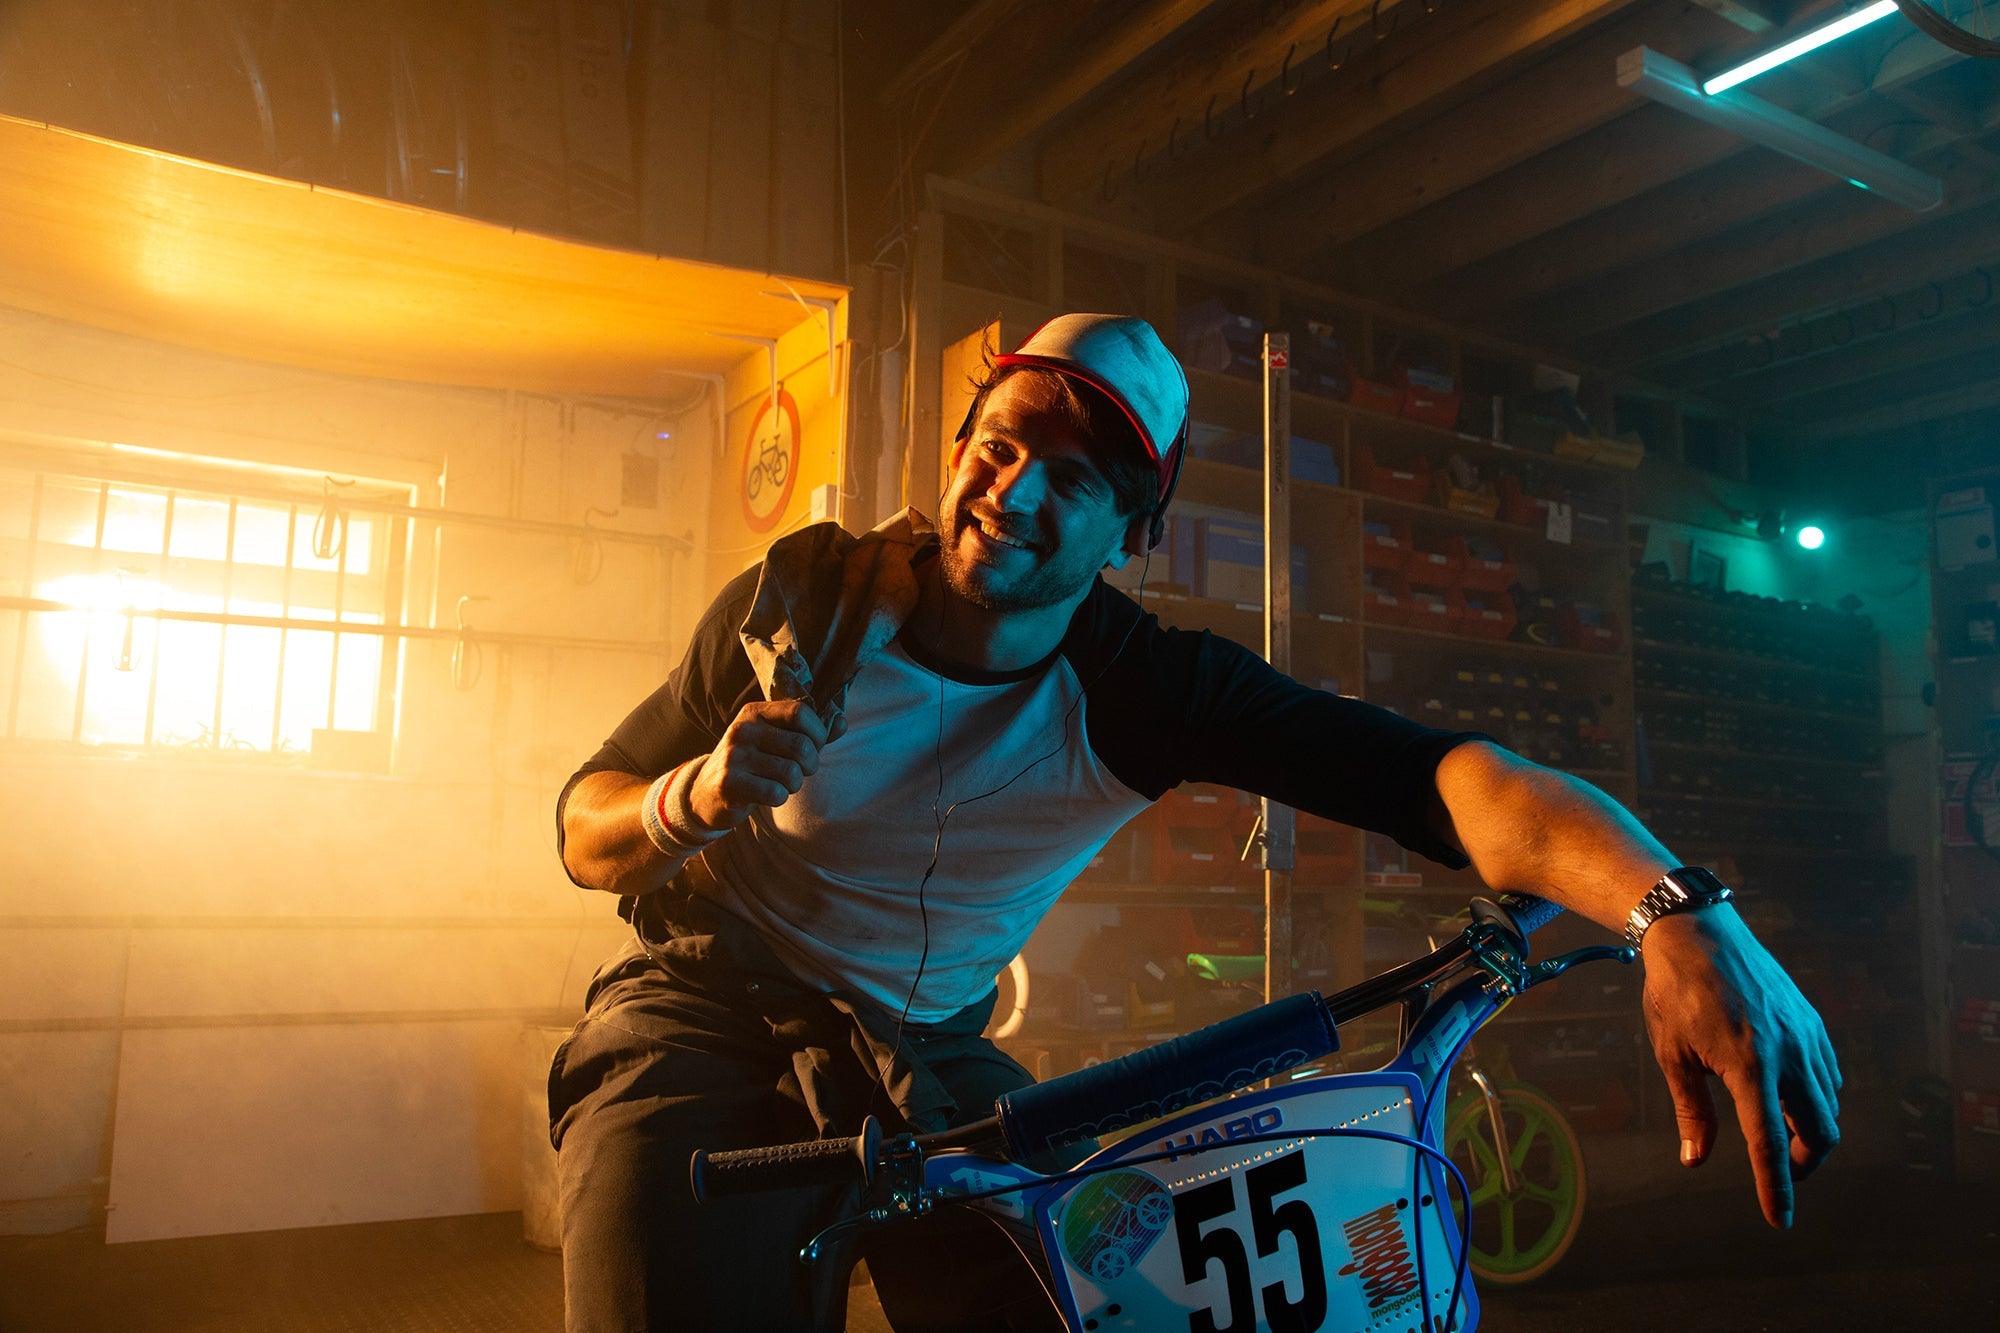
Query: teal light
x=1812 y=536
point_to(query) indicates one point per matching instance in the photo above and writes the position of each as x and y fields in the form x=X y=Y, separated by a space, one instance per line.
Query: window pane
x=201 y=529
x=260 y=534
x=184 y=713
x=114 y=700
x=308 y=669
x=135 y=521
x=360 y=676
x=249 y=686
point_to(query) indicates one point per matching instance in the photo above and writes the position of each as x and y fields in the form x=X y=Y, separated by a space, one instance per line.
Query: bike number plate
x=1310 y=1233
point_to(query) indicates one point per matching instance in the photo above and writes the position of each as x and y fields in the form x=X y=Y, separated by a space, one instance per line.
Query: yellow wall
x=812 y=392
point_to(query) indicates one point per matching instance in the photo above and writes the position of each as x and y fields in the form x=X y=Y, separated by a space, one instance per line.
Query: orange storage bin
x=1385 y=598
x=1434 y=570
x=1198 y=837
x=1375 y=396
x=1483 y=566
x=1385 y=545
x=1410 y=482
x=1486 y=615
x=1521 y=506
x=1328 y=853
x=1590 y=628
x=1428 y=396
x=1435 y=611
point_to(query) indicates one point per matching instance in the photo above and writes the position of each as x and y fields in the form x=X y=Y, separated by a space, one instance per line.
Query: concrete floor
x=1874 y=1250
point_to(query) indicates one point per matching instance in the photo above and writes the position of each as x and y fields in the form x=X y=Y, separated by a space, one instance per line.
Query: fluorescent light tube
x=1798 y=46
x=1667 y=81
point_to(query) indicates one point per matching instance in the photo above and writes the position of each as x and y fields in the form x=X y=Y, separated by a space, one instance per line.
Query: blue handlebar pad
x=1170 y=1077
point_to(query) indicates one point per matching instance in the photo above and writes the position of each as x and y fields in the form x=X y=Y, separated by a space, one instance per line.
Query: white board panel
x=55 y=1099
x=224 y=1130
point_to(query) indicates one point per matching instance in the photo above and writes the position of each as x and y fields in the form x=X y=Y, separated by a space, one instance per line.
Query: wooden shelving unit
x=1142 y=905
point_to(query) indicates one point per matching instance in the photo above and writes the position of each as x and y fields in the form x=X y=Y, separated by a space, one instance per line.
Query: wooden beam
x=1848 y=327
x=966 y=32
x=1439 y=61
x=1749 y=17
x=1819 y=228
x=1970 y=395
x=1196 y=91
x=1977 y=387
x=1952 y=333
x=1103 y=58
x=1939 y=249
x=1641 y=230
x=1544 y=106
x=1639 y=151
x=1906 y=384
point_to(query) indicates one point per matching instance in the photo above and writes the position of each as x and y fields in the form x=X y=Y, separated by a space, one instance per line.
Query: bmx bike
x=1239 y=1196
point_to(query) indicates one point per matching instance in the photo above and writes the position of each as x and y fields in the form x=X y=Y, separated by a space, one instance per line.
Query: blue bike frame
x=1317 y=1205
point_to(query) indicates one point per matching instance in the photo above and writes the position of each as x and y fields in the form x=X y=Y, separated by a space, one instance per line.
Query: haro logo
x=1381 y=1257
x=1259 y=1122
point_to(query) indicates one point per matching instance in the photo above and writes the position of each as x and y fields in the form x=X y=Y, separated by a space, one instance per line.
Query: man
x=884 y=758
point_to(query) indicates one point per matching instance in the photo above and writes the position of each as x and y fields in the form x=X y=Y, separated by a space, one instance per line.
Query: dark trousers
x=697 y=1042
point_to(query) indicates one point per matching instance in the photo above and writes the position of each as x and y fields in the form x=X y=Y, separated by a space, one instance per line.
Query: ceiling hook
x=1109 y=190
x=1375 y=21
x=1285 y=71
x=1174 y=151
x=1937 y=292
x=1139 y=163
x=1333 y=62
x=1243 y=97
x=1208 y=118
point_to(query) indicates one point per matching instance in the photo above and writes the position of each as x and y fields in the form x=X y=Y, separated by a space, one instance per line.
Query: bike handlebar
x=786 y=1165
x=1145 y=1085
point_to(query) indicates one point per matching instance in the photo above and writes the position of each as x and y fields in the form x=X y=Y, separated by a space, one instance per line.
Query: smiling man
x=882 y=761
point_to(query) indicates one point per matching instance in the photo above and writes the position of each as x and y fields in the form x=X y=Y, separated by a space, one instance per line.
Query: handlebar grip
x=786 y=1165
x=1521 y=914
x=1163 y=1079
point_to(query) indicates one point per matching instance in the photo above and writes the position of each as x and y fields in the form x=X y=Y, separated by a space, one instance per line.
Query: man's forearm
x=605 y=844
x=1531 y=829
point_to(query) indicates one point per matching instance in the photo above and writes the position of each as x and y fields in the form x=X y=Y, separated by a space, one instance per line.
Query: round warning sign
x=770 y=462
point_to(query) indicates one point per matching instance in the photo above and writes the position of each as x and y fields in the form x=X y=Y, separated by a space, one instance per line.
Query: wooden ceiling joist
x=1975 y=395
x=1930 y=381
x=1953 y=332
x=1938 y=250
x=1049 y=98
x=1540 y=108
x=1818 y=229
x=1414 y=74
x=1558 y=195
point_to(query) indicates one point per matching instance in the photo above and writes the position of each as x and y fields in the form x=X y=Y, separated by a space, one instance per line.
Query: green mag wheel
x=1520 y=1235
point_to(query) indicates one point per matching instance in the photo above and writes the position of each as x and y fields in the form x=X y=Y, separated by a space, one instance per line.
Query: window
x=177 y=605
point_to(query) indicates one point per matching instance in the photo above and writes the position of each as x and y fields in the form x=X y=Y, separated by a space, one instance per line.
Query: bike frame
x=1349 y=1166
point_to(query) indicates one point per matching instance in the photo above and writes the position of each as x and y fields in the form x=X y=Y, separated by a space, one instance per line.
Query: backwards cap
x=1125 y=360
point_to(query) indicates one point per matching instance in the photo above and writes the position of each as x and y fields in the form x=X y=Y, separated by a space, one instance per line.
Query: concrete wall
x=241 y=992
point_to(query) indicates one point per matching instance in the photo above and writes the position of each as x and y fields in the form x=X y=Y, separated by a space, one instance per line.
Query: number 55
x=1206 y=1203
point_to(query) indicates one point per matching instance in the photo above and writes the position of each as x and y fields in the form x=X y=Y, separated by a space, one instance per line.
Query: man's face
x=1028 y=519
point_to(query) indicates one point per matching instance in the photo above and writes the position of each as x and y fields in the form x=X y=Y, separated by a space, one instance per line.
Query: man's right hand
x=767 y=753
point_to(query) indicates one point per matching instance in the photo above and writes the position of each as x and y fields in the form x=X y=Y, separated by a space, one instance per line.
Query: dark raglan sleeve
x=687 y=715
x=1177 y=706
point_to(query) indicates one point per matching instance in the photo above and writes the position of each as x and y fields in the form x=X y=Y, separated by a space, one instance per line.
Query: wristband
x=668 y=816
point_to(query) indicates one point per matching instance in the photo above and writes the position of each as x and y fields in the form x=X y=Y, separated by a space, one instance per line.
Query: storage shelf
x=1246 y=396
x=1503 y=646
x=1868 y=767
x=1783 y=710
x=1750 y=659
x=1647 y=592
x=1480 y=523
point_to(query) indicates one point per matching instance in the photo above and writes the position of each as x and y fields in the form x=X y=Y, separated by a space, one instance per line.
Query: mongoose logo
x=1381 y=1257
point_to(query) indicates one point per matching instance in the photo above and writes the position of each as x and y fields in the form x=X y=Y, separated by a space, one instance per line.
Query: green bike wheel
x=1520 y=1235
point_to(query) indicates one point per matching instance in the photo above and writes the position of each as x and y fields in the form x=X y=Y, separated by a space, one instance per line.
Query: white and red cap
x=1123 y=358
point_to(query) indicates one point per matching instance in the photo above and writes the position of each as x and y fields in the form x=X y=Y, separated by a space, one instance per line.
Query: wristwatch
x=1681 y=890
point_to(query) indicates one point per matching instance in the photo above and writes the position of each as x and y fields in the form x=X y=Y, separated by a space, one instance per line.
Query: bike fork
x=1491 y=1096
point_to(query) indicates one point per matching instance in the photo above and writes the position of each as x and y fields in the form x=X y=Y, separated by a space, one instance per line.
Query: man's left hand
x=1717 y=1002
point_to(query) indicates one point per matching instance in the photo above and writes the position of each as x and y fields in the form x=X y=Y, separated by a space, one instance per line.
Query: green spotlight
x=1812 y=536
